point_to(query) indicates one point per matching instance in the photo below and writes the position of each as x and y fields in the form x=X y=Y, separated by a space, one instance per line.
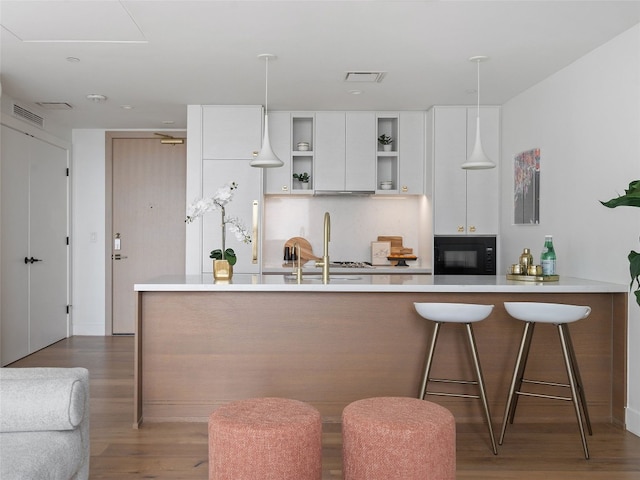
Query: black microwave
x=465 y=255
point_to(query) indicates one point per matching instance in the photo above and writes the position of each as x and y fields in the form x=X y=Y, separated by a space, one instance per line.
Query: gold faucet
x=297 y=269
x=325 y=249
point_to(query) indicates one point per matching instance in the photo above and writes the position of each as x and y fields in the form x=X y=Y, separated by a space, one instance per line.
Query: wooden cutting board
x=396 y=244
x=306 y=251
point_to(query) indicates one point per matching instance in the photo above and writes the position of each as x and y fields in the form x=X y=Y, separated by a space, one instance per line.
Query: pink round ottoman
x=401 y=438
x=265 y=439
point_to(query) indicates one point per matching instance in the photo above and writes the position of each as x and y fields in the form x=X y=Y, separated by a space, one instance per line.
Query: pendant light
x=266 y=158
x=478 y=160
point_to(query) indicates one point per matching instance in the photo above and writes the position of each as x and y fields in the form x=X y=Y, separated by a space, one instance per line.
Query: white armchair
x=44 y=423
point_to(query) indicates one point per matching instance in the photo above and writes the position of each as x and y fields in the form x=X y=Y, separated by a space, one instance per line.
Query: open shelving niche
x=302 y=161
x=387 y=161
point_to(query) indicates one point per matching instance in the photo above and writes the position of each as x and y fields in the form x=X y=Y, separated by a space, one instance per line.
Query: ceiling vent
x=369 y=77
x=27 y=115
x=55 y=105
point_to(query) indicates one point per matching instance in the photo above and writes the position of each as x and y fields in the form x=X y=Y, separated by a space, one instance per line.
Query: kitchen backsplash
x=355 y=223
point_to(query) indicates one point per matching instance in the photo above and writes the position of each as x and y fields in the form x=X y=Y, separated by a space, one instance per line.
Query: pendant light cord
x=478 y=70
x=266 y=86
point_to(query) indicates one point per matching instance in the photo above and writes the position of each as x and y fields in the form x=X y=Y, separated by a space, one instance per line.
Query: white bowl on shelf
x=386 y=185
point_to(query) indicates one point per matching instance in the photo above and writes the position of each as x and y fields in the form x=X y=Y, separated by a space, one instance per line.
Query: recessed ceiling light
x=73 y=59
x=168 y=122
x=96 y=97
x=126 y=107
x=355 y=92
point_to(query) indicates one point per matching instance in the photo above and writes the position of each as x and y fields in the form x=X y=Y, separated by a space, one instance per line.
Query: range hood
x=352 y=193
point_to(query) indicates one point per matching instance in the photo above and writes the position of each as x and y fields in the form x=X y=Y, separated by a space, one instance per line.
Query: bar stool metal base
x=573 y=374
x=479 y=382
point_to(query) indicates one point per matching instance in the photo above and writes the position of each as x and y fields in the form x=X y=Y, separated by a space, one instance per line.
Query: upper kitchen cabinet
x=400 y=167
x=330 y=153
x=345 y=151
x=229 y=131
x=360 y=172
x=302 y=151
x=412 y=147
x=465 y=201
x=279 y=180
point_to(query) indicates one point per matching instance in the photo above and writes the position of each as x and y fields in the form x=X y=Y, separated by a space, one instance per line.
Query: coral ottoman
x=265 y=439
x=401 y=438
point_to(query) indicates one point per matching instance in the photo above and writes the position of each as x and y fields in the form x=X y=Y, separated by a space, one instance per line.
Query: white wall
x=586 y=121
x=88 y=234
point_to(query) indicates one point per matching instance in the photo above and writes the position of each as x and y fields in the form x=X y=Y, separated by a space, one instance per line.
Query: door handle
x=31 y=260
x=117 y=256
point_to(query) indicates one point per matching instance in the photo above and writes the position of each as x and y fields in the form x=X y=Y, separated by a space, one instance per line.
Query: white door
x=34 y=226
x=47 y=243
x=148 y=208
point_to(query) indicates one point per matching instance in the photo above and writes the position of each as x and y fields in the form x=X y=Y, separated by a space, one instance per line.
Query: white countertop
x=374 y=283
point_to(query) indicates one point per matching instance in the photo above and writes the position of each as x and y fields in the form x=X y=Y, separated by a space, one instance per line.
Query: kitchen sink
x=317 y=278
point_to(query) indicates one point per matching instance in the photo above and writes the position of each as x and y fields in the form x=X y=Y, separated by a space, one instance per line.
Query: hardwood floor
x=179 y=450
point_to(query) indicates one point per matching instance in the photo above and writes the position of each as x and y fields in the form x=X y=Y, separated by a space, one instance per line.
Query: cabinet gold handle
x=460 y=228
x=285 y=188
x=254 y=239
x=405 y=189
x=472 y=228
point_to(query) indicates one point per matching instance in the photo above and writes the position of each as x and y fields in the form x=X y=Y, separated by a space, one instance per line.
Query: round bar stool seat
x=453 y=312
x=266 y=439
x=560 y=315
x=467 y=314
x=398 y=438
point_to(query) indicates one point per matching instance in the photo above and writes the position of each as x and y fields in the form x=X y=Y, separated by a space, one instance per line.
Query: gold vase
x=222 y=270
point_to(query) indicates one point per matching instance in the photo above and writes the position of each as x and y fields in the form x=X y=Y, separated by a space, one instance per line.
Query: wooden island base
x=196 y=351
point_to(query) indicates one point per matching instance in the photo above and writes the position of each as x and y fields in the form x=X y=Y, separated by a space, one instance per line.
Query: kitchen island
x=201 y=344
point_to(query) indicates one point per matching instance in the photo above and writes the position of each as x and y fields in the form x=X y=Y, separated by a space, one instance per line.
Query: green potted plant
x=631 y=198
x=303 y=178
x=386 y=141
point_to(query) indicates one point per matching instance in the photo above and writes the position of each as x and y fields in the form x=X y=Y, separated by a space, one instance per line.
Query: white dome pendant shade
x=478 y=160
x=266 y=158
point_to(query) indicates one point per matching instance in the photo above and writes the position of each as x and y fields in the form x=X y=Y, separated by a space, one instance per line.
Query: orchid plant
x=219 y=201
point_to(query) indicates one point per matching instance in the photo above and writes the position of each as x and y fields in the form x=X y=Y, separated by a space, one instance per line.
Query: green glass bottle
x=548 y=257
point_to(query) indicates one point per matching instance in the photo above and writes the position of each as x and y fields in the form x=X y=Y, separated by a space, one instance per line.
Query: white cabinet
x=345 y=151
x=222 y=140
x=302 y=156
x=404 y=163
x=344 y=154
x=465 y=201
x=229 y=131
x=360 y=172
x=278 y=180
x=330 y=155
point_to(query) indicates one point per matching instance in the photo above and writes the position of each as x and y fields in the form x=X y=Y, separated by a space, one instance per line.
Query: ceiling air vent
x=30 y=117
x=370 y=77
x=55 y=105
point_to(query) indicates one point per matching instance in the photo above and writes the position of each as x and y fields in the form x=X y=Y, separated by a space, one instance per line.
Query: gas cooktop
x=351 y=264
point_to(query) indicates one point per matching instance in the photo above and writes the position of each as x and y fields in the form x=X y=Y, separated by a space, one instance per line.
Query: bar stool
x=466 y=313
x=560 y=315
